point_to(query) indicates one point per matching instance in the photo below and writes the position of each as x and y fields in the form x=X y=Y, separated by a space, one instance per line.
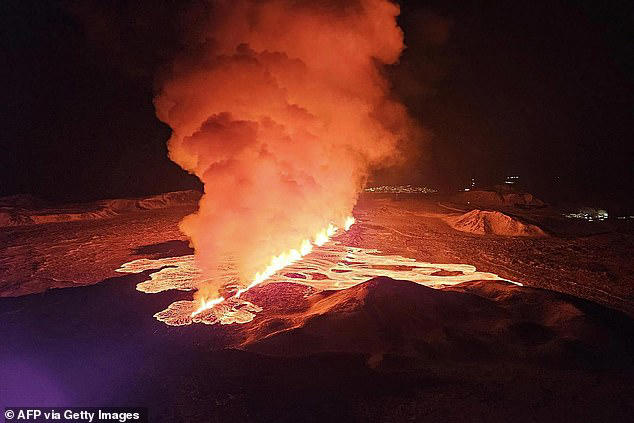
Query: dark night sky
x=541 y=89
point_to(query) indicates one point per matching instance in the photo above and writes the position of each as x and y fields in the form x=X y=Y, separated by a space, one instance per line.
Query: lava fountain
x=281 y=109
x=278 y=263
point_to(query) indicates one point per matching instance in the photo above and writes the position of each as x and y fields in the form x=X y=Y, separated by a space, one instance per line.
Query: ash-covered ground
x=558 y=348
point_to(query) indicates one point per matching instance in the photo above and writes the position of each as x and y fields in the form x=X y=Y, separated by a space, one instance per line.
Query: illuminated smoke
x=281 y=109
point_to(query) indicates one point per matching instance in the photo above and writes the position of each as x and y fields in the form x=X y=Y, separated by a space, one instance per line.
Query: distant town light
x=512 y=179
x=401 y=189
x=588 y=214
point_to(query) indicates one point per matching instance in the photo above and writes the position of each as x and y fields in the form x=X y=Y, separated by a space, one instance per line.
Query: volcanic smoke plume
x=281 y=109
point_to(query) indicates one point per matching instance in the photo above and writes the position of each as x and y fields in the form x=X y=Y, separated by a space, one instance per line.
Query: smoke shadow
x=173 y=248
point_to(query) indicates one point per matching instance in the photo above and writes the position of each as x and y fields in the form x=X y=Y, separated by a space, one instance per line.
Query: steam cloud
x=281 y=109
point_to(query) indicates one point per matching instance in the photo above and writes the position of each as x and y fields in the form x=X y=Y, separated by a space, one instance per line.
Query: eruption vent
x=281 y=109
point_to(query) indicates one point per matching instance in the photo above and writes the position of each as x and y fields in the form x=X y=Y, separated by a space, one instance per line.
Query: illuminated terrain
x=587 y=260
x=376 y=321
x=330 y=267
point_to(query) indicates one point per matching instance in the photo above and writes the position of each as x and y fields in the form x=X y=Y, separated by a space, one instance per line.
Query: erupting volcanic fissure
x=332 y=266
x=282 y=110
x=279 y=262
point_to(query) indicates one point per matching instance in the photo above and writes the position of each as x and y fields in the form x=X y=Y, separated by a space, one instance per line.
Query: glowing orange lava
x=279 y=262
x=334 y=266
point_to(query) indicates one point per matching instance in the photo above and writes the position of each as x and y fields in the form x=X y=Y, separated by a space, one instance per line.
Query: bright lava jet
x=279 y=262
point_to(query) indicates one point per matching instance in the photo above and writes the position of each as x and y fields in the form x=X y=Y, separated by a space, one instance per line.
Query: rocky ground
x=383 y=350
x=589 y=260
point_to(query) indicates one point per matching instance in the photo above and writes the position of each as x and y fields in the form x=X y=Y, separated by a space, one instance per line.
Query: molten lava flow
x=207 y=304
x=331 y=267
x=279 y=262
